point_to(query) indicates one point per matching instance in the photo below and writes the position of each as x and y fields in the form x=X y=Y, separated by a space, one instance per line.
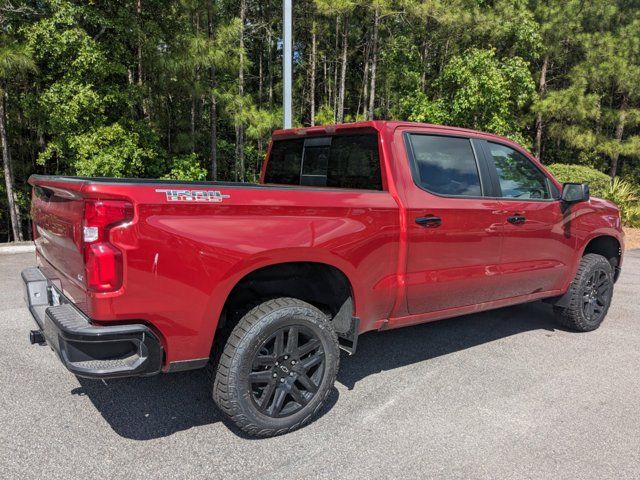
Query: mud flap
x=346 y=327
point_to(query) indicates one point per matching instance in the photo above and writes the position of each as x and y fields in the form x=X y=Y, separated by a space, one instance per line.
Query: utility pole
x=286 y=63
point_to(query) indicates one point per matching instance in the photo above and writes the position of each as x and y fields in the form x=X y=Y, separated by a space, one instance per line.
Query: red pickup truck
x=354 y=227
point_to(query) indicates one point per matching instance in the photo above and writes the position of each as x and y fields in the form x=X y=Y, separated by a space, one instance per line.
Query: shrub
x=621 y=192
x=625 y=195
x=598 y=182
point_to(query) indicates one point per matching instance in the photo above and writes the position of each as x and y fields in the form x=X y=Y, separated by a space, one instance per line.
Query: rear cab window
x=339 y=161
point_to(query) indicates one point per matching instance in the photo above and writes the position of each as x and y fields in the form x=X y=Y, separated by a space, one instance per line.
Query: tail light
x=102 y=260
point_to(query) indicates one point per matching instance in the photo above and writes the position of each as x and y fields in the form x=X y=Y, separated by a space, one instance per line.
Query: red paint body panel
x=182 y=259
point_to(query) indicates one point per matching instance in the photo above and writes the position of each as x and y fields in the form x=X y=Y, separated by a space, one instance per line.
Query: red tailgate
x=57 y=209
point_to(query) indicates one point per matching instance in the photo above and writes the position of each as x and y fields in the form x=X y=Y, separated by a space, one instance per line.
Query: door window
x=445 y=165
x=518 y=176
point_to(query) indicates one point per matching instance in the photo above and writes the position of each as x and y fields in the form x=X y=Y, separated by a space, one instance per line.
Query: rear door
x=454 y=242
x=537 y=245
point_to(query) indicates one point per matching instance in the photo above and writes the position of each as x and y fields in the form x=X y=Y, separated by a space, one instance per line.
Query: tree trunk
x=239 y=127
x=443 y=60
x=260 y=75
x=425 y=58
x=325 y=80
x=334 y=99
x=213 y=112
x=542 y=88
x=343 y=71
x=388 y=99
x=145 y=109
x=270 y=65
x=622 y=117
x=213 y=121
x=14 y=213
x=365 y=83
x=169 y=121
x=193 y=123
x=312 y=82
x=374 y=62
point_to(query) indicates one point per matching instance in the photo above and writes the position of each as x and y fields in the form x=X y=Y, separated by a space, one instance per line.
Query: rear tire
x=589 y=294
x=277 y=367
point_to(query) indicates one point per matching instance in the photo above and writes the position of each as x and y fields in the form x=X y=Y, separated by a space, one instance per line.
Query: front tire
x=277 y=368
x=589 y=294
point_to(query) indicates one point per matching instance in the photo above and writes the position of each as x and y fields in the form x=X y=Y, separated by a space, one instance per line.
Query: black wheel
x=277 y=368
x=590 y=295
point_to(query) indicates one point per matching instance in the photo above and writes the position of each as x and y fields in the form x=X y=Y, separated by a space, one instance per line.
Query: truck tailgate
x=57 y=212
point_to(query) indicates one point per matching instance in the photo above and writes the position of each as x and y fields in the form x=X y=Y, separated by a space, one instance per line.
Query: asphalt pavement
x=497 y=395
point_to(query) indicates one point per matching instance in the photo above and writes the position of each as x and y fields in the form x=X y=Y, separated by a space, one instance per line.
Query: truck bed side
x=183 y=257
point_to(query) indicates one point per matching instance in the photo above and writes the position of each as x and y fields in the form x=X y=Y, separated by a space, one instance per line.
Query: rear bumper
x=86 y=349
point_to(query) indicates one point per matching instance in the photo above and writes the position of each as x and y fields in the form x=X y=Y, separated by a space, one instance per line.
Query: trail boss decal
x=194 y=195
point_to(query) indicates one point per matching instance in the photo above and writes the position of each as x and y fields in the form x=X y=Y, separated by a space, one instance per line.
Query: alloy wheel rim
x=595 y=296
x=286 y=371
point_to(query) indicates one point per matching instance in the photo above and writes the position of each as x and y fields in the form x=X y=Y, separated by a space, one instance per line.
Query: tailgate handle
x=43 y=192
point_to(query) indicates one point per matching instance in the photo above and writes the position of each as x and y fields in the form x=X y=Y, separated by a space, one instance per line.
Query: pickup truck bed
x=185 y=257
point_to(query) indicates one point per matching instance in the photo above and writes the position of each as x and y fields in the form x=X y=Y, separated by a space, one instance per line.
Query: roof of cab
x=375 y=125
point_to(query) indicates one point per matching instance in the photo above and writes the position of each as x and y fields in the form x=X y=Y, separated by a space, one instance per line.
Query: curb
x=9 y=248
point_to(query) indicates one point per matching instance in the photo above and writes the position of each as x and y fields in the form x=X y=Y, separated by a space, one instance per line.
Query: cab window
x=445 y=165
x=340 y=161
x=518 y=176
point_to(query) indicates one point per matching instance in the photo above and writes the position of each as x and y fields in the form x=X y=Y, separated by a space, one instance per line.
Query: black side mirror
x=575 y=192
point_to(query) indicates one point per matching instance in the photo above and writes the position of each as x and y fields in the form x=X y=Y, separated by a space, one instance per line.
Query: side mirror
x=575 y=192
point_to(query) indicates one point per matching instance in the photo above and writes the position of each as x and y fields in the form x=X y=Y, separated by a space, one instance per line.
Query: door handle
x=429 y=222
x=517 y=219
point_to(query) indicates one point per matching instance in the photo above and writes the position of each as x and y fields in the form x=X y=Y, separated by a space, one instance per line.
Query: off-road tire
x=573 y=316
x=232 y=390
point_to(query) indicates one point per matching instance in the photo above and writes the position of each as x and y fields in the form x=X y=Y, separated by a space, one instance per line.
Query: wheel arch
x=606 y=243
x=317 y=280
x=323 y=285
x=609 y=247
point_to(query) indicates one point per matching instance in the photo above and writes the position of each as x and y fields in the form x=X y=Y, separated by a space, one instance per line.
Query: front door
x=453 y=231
x=538 y=244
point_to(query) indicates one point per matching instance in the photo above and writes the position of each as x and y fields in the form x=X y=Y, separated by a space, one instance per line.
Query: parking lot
x=502 y=394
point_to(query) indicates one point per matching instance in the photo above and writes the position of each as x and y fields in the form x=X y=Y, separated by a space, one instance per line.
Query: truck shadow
x=159 y=406
x=380 y=351
x=155 y=407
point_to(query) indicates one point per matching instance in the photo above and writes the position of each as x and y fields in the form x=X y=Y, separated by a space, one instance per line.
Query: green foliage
x=113 y=151
x=64 y=48
x=399 y=50
x=480 y=91
x=72 y=107
x=594 y=110
x=511 y=27
x=598 y=181
x=625 y=194
x=261 y=122
x=100 y=88
x=334 y=7
x=15 y=59
x=186 y=167
x=324 y=115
